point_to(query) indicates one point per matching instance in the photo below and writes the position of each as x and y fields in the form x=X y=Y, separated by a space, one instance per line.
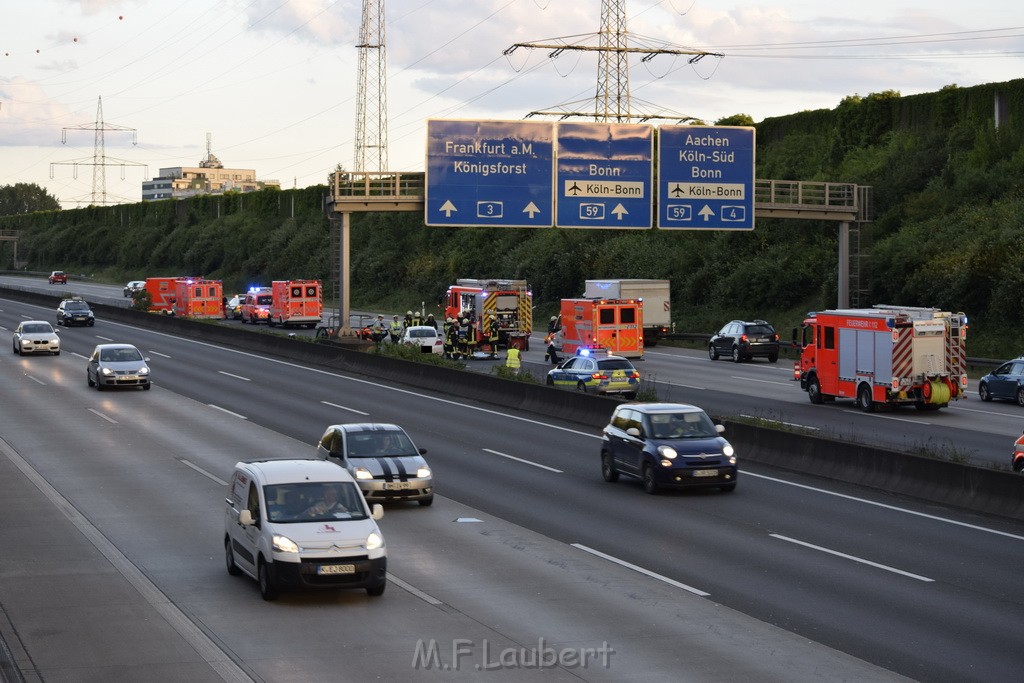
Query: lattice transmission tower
x=371 y=146
x=99 y=159
x=612 y=101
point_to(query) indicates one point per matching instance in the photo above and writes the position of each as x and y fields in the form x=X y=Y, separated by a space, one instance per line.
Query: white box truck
x=656 y=296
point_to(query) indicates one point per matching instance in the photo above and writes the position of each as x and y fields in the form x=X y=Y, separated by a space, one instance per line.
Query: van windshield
x=314 y=502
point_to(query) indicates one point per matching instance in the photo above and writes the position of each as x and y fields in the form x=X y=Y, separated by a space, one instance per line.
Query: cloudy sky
x=274 y=81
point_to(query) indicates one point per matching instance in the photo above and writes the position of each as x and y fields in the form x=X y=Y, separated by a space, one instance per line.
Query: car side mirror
x=719 y=428
x=422 y=451
x=378 y=511
x=245 y=517
x=633 y=431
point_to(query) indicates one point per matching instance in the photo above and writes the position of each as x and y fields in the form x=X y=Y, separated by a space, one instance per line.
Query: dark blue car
x=1006 y=382
x=667 y=445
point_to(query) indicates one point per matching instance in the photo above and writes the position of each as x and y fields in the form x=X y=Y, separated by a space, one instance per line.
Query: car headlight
x=107 y=372
x=283 y=544
x=143 y=371
x=374 y=541
x=667 y=452
x=727 y=451
x=362 y=473
x=422 y=472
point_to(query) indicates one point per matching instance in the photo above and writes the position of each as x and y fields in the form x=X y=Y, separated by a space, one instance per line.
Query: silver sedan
x=117 y=365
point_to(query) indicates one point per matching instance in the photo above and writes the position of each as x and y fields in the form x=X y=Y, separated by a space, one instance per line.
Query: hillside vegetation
x=947 y=231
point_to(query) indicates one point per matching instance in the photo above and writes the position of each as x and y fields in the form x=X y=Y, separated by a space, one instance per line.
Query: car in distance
x=117 y=365
x=35 y=336
x=74 y=311
x=302 y=524
x=382 y=459
x=256 y=305
x=599 y=374
x=134 y=286
x=58 y=277
x=233 y=308
x=667 y=445
x=742 y=340
x=425 y=337
x=1006 y=382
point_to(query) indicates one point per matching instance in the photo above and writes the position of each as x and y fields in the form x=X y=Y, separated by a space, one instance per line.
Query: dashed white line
x=36 y=380
x=415 y=591
x=351 y=410
x=787 y=383
x=99 y=414
x=203 y=472
x=853 y=558
x=229 y=412
x=244 y=379
x=887 y=417
x=106 y=339
x=528 y=462
x=157 y=353
x=645 y=572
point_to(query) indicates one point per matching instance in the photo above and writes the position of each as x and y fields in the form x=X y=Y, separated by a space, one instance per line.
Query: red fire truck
x=198 y=298
x=883 y=356
x=510 y=302
x=295 y=302
x=615 y=325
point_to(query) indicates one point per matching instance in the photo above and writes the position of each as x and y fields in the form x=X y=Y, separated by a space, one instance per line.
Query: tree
x=26 y=198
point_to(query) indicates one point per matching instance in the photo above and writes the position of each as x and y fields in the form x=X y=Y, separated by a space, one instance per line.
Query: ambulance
x=295 y=302
x=198 y=298
x=614 y=325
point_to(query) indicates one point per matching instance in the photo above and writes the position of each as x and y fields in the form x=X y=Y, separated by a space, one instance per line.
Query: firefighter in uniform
x=408 y=320
x=493 y=335
x=512 y=360
x=449 y=338
x=553 y=324
x=431 y=322
x=395 y=330
x=552 y=352
x=471 y=338
x=417 y=318
x=1017 y=464
x=462 y=343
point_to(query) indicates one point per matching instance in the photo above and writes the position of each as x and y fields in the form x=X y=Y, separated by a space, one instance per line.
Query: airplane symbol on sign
x=574 y=190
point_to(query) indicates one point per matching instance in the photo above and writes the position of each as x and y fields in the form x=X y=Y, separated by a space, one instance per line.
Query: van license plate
x=396 y=485
x=336 y=569
x=705 y=473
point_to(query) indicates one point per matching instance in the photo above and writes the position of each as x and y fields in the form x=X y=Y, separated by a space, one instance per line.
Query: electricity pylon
x=612 y=101
x=371 y=153
x=99 y=160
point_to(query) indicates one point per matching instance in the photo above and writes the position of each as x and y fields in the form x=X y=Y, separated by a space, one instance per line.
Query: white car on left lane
x=35 y=336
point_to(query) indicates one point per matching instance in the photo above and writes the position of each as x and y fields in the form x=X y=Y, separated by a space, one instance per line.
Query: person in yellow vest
x=512 y=360
x=395 y=329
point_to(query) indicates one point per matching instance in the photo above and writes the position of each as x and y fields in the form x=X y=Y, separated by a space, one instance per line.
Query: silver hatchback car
x=117 y=365
x=382 y=459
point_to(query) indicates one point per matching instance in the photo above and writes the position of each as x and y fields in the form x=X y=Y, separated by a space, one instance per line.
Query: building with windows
x=210 y=177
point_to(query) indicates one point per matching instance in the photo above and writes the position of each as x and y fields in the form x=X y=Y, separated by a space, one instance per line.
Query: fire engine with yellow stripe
x=509 y=303
x=883 y=356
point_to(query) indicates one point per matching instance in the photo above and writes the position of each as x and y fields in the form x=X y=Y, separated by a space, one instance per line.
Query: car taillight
x=634 y=375
x=743 y=338
x=775 y=337
x=598 y=375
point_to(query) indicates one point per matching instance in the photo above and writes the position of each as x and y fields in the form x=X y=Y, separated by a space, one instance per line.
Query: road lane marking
x=229 y=412
x=37 y=381
x=528 y=462
x=887 y=417
x=853 y=558
x=925 y=515
x=207 y=649
x=645 y=572
x=99 y=414
x=985 y=412
x=157 y=353
x=106 y=339
x=244 y=379
x=351 y=410
x=787 y=383
x=676 y=384
x=203 y=472
x=429 y=599
x=780 y=422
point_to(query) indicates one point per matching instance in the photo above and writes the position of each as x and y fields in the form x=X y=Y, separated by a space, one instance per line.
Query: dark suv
x=75 y=311
x=742 y=340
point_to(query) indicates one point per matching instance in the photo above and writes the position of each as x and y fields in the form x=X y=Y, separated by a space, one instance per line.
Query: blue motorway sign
x=604 y=175
x=489 y=173
x=706 y=177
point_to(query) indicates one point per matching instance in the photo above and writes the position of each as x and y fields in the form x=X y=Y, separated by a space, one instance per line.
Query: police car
x=588 y=370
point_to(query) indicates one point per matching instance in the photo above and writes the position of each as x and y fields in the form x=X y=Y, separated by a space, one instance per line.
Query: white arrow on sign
x=447 y=208
x=619 y=211
x=706 y=212
x=531 y=209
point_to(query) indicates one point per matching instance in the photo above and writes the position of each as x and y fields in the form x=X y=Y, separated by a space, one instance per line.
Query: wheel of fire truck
x=814 y=390
x=737 y=357
x=864 y=400
x=712 y=352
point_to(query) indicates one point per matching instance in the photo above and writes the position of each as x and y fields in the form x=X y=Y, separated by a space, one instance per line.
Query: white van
x=302 y=523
